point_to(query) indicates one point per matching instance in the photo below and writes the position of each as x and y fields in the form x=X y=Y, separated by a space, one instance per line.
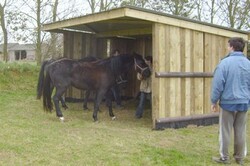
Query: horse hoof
x=95 y=120
x=61 y=119
x=113 y=118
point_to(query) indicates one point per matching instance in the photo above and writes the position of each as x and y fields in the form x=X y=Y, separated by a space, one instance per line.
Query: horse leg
x=85 y=102
x=63 y=103
x=109 y=104
x=61 y=98
x=56 y=98
x=99 y=96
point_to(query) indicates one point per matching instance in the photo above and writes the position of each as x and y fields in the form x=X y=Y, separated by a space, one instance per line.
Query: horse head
x=124 y=62
x=141 y=66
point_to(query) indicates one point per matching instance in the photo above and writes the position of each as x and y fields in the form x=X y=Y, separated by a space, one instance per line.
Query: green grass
x=29 y=136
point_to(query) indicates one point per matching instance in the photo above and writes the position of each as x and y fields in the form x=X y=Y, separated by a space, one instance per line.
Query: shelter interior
x=80 y=45
x=185 y=53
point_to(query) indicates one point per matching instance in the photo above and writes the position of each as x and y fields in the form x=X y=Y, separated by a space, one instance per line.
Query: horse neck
x=127 y=62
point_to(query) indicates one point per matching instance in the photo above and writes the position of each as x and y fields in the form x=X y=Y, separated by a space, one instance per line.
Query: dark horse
x=41 y=80
x=98 y=76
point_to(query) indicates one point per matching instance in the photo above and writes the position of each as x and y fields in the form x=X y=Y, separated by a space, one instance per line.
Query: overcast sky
x=80 y=7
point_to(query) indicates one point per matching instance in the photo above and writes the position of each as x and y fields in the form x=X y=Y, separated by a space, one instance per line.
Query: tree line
x=22 y=20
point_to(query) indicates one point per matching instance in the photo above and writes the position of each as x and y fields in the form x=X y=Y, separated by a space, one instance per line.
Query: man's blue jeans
x=140 y=107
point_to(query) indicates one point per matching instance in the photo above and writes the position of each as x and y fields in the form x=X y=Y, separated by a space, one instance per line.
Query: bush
x=19 y=67
x=18 y=75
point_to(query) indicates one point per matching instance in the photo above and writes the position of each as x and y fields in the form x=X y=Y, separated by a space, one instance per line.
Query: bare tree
x=179 y=7
x=236 y=13
x=53 y=35
x=13 y=24
x=175 y=7
x=212 y=9
x=199 y=7
x=231 y=7
x=206 y=10
x=37 y=13
x=107 y=4
x=244 y=15
x=38 y=39
x=92 y=5
x=102 y=5
x=137 y=3
x=5 y=34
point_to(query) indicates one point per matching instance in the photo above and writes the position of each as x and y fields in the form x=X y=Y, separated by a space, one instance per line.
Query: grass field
x=29 y=136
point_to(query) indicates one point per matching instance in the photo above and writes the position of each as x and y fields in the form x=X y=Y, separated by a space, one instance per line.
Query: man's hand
x=214 y=108
x=139 y=76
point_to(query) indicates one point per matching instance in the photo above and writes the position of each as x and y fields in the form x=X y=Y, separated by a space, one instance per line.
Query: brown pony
x=41 y=80
x=98 y=76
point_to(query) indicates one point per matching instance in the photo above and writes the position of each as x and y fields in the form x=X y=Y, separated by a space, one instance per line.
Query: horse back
x=90 y=75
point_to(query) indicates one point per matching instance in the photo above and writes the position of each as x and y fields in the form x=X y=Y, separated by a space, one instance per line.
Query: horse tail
x=47 y=103
x=41 y=80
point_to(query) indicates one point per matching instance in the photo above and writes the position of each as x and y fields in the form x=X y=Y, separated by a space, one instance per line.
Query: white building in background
x=18 y=52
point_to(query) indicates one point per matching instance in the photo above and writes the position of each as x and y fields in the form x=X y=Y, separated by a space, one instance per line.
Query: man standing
x=231 y=88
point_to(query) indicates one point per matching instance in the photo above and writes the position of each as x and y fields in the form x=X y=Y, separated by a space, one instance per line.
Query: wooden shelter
x=185 y=53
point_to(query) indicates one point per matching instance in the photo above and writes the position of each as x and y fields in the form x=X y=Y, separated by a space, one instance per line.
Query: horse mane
x=89 y=59
x=115 y=63
x=121 y=63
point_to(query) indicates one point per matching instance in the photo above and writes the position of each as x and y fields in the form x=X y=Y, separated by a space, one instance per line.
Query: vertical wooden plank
x=155 y=81
x=215 y=50
x=188 y=68
x=84 y=40
x=175 y=84
x=166 y=81
x=214 y=56
x=198 y=67
x=93 y=49
x=77 y=51
x=77 y=46
x=226 y=45
x=68 y=52
x=148 y=48
x=222 y=47
x=182 y=61
x=207 y=68
x=163 y=38
x=66 y=44
x=87 y=45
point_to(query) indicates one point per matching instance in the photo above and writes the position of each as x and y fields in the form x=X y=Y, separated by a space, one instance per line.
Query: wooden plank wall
x=215 y=50
x=101 y=48
x=177 y=49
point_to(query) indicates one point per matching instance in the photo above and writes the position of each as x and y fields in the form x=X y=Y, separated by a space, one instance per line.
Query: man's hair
x=237 y=43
